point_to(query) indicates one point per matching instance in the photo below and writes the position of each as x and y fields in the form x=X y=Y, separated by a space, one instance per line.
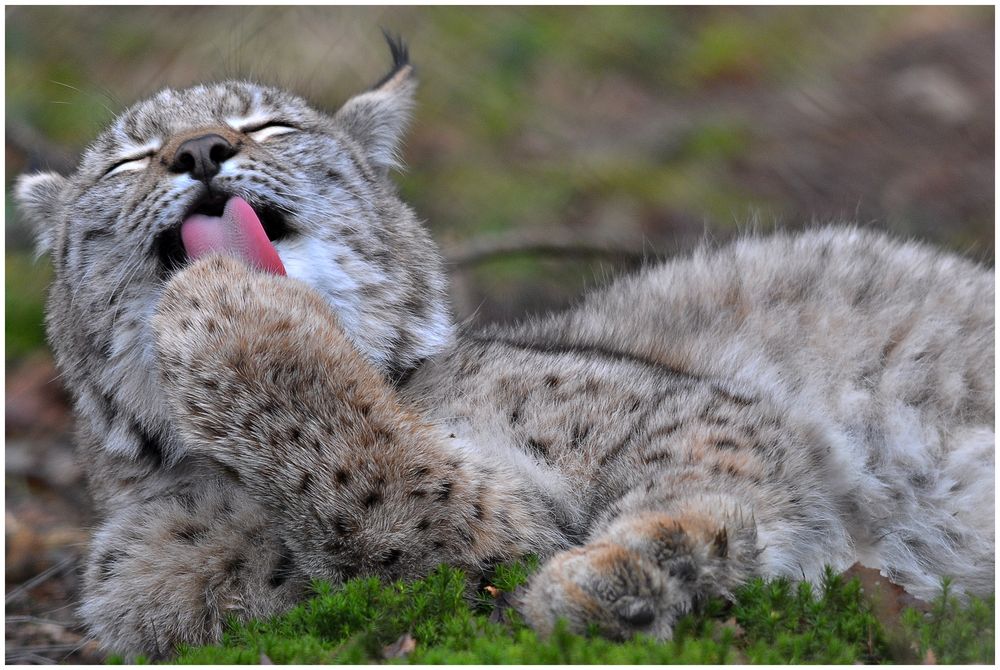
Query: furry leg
x=262 y=379
x=171 y=570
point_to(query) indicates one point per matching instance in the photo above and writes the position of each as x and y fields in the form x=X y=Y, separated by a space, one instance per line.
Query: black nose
x=202 y=157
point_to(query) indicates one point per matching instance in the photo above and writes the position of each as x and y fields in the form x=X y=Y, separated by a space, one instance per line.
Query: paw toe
x=634 y=611
x=602 y=584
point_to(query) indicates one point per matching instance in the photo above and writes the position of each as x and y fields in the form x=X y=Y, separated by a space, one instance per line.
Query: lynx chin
x=269 y=388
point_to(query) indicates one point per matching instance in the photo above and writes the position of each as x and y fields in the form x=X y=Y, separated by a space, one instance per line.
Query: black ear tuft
x=400 y=57
x=377 y=118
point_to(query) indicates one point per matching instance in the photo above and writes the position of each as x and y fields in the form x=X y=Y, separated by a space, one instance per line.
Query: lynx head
x=318 y=183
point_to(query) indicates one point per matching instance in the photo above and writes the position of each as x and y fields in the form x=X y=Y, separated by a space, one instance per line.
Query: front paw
x=234 y=344
x=638 y=576
x=601 y=584
x=219 y=297
x=219 y=314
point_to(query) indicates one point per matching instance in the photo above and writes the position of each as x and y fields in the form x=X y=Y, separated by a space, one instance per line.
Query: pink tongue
x=237 y=231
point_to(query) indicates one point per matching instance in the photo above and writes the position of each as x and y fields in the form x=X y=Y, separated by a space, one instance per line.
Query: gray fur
x=764 y=408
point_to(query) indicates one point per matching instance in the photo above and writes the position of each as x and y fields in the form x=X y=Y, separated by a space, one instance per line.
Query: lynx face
x=318 y=184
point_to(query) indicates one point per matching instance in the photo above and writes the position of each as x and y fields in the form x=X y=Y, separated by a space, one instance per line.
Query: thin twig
x=84 y=641
x=45 y=648
x=40 y=153
x=61 y=608
x=35 y=619
x=20 y=657
x=38 y=579
x=550 y=243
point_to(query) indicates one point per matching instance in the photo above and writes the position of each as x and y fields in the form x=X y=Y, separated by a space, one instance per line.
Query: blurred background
x=552 y=149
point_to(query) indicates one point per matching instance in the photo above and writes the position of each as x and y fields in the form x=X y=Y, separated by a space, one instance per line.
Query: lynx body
x=768 y=407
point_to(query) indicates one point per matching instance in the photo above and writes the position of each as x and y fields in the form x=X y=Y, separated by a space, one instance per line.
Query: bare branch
x=38 y=151
x=559 y=243
x=48 y=573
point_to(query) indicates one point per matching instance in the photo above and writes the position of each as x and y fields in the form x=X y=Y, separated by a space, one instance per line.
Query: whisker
x=74 y=88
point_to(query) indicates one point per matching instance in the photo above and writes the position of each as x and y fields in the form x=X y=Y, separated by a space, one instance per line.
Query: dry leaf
x=887 y=602
x=492 y=590
x=402 y=647
x=506 y=600
x=733 y=626
x=929 y=658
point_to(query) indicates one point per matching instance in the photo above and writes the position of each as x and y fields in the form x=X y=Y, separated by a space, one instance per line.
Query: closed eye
x=129 y=164
x=259 y=132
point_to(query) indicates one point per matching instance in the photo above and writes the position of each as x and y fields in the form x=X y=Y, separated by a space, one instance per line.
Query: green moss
x=792 y=624
x=509 y=576
x=954 y=633
x=769 y=622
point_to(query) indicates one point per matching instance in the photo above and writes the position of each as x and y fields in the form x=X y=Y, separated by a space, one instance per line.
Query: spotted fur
x=764 y=408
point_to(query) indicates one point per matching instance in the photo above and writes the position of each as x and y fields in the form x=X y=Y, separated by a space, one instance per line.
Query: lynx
x=269 y=388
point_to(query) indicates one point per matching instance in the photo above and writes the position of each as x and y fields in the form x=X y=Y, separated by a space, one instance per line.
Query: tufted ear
x=376 y=119
x=37 y=197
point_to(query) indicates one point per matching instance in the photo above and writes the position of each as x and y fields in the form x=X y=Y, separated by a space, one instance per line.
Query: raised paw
x=638 y=576
x=262 y=381
x=219 y=300
x=223 y=328
x=242 y=354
